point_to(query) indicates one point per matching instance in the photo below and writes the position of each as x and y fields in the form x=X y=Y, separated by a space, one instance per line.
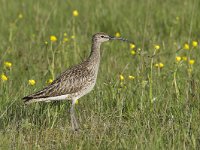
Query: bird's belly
x=85 y=90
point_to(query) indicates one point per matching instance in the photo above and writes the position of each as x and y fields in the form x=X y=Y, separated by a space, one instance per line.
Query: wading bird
x=75 y=82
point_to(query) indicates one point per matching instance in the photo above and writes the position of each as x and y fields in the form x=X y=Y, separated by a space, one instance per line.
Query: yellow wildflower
x=133 y=52
x=20 y=16
x=53 y=38
x=178 y=58
x=7 y=64
x=72 y=37
x=75 y=13
x=117 y=34
x=157 y=47
x=65 y=34
x=65 y=39
x=31 y=82
x=49 y=81
x=156 y=65
x=76 y=102
x=159 y=65
x=132 y=46
x=121 y=77
x=192 y=61
x=131 y=77
x=186 y=46
x=184 y=58
x=194 y=43
x=4 y=77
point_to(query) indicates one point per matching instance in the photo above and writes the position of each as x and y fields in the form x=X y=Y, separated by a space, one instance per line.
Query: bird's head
x=103 y=37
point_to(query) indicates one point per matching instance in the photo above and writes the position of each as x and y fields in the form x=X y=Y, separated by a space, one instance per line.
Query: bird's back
x=74 y=82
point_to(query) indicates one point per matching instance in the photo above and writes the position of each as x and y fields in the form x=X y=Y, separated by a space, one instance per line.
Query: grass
x=159 y=109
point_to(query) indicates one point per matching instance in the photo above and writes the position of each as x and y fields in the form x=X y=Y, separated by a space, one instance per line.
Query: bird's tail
x=35 y=97
x=28 y=100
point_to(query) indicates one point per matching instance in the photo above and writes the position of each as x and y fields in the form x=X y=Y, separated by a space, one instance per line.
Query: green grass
x=159 y=109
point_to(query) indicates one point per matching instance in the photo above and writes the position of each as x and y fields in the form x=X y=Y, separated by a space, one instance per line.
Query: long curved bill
x=121 y=39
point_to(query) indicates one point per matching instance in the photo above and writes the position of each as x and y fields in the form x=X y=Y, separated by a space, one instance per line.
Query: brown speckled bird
x=76 y=81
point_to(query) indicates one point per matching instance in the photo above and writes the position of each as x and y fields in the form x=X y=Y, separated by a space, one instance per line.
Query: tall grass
x=159 y=109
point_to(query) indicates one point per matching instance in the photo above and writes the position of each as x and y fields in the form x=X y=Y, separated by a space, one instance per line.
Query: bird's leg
x=73 y=118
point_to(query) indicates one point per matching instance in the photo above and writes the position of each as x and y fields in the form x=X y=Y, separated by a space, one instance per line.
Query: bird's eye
x=102 y=36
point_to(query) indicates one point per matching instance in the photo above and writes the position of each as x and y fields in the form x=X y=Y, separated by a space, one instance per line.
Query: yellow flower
x=20 y=16
x=156 y=65
x=159 y=65
x=7 y=64
x=133 y=52
x=76 y=102
x=4 y=77
x=31 y=82
x=121 y=77
x=117 y=34
x=49 y=81
x=178 y=58
x=72 y=37
x=186 y=46
x=192 y=61
x=75 y=13
x=184 y=58
x=132 y=46
x=53 y=38
x=65 y=39
x=194 y=43
x=65 y=34
x=131 y=77
x=157 y=47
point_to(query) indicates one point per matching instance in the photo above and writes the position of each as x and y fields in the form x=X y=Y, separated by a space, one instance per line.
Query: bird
x=76 y=81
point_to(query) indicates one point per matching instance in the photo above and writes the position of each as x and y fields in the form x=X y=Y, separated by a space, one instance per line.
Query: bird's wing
x=70 y=81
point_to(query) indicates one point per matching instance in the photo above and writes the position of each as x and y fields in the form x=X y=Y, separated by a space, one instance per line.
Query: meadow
x=147 y=94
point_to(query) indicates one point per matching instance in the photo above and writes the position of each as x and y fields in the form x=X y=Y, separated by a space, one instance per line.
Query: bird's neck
x=95 y=52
